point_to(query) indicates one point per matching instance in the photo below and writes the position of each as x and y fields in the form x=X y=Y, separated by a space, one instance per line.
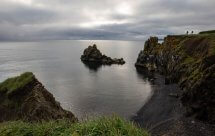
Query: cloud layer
x=102 y=19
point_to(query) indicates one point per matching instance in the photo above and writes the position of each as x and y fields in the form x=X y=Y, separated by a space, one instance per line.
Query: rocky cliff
x=25 y=98
x=188 y=60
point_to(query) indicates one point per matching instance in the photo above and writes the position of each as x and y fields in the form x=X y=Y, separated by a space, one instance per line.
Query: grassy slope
x=12 y=84
x=103 y=126
x=194 y=60
x=192 y=55
x=207 y=32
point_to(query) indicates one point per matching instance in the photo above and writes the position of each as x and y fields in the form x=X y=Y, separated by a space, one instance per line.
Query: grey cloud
x=20 y=14
x=63 y=19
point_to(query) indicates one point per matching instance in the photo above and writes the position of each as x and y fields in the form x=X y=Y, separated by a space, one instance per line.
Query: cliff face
x=190 y=62
x=25 y=98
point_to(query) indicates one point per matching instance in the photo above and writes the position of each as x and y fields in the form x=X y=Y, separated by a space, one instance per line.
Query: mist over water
x=81 y=88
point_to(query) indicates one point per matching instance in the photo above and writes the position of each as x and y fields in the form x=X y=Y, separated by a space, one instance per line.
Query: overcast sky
x=102 y=19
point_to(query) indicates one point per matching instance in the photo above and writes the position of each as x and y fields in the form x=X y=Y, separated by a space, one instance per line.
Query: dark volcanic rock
x=25 y=98
x=94 y=66
x=92 y=54
x=190 y=62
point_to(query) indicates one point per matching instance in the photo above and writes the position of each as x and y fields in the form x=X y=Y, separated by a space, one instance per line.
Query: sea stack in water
x=92 y=54
x=25 y=98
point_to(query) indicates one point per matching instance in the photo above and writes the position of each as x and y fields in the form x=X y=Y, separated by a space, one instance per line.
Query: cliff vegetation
x=190 y=61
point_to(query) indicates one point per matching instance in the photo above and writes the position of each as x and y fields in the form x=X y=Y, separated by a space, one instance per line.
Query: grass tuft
x=103 y=126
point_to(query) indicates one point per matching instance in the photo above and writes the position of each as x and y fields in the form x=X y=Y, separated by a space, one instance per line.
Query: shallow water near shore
x=83 y=89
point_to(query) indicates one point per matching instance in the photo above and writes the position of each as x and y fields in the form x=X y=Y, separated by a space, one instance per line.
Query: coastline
x=164 y=114
x=160 y=107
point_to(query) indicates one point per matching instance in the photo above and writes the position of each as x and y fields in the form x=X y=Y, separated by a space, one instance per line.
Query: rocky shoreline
x=160 y=107
x=190 y=62
x=163 y=114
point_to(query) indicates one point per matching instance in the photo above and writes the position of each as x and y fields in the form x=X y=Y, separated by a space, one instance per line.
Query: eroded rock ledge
x=92 y=54
x=25 y=98
x=190 y=62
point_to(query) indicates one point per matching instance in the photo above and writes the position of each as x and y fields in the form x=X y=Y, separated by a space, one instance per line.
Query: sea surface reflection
x=85 y=89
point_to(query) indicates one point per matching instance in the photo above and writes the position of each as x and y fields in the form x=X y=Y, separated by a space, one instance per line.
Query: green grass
x=207 y=32
x=212 y=43
x=103 y=126
x=12 y=84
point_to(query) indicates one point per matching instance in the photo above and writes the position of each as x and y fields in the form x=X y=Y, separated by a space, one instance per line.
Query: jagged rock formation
x=92 y=54
x=190 y=62
x=25 y=98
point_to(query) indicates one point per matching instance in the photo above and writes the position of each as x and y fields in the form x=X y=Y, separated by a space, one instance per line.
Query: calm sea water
x=85 y=90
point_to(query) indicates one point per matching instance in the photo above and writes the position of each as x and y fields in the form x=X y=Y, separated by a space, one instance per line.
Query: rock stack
x=92 y=54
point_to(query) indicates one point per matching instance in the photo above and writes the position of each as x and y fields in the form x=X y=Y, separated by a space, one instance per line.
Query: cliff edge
x=25 y=98
x=188 y=60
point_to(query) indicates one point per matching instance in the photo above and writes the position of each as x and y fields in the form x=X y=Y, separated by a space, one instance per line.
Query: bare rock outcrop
x=92 y=54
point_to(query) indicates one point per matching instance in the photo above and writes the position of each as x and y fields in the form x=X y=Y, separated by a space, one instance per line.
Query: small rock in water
x=92 y=54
